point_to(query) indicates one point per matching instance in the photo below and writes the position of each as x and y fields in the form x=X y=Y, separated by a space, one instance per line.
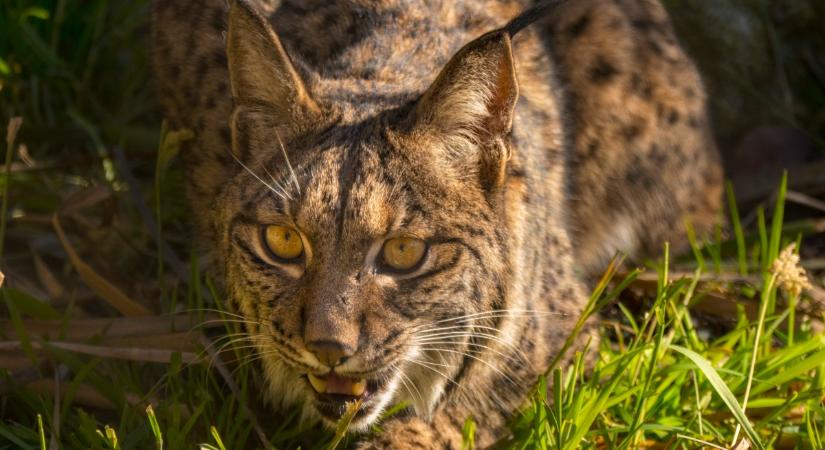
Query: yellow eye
x=283 y=242
x=403 y=253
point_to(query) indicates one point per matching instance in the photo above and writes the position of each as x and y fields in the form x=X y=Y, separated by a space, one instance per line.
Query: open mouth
x=334 y=393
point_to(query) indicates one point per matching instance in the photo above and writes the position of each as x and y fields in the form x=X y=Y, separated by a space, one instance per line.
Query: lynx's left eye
x=283 y=242
x=403 y=253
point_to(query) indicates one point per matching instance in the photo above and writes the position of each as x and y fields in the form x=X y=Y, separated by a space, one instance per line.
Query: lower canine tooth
x=318 y=384
x=358 y=387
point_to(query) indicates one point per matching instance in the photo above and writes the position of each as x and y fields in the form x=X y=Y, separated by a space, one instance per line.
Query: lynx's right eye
x=283 y=242
x=404 y=253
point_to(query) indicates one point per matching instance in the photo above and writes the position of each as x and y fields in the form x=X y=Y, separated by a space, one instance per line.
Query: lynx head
x=363 y=241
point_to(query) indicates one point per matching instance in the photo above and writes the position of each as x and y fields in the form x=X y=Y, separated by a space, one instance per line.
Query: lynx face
x=364 y=246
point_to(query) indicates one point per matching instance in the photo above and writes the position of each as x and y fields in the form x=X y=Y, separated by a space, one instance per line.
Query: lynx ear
x=470 y=108
x=264 y=81
x=476 y=92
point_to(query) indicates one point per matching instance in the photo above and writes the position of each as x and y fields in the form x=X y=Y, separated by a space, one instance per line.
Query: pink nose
x=331 y=353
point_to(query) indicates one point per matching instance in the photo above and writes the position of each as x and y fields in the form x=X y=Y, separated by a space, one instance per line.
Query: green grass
x=92 y=148
x=665 y=387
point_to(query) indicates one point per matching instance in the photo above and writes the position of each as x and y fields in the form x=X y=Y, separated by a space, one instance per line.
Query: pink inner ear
x=483 y=70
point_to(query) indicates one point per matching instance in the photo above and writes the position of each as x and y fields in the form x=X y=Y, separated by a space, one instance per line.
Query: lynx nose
x=331 y=353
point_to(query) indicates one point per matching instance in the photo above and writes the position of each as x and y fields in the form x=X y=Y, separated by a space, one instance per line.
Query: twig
x=809 y=178
x=806 y=200
x=113 y=327
x=128 y=353
x=11 y=135
x=815 y=293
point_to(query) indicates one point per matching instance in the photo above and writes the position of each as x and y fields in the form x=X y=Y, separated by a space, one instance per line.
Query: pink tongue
x=338 y=385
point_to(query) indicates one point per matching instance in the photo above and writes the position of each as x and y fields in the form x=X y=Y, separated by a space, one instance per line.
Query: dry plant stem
x=813 y=308
x=809 y=178
x=227 y=377
x=11 y=135
x=806 y=200
x=128 y=353
x=699 y=441
x=115 y=327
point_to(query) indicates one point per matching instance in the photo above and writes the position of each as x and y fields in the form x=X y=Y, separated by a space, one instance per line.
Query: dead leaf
x=106 y=290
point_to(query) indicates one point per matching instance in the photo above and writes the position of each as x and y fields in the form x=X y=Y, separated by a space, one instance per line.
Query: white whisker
x=276 y=183
x=288 y=164
x=427 y=365
x=480 y=346
x=496 y=369
x=274 y=191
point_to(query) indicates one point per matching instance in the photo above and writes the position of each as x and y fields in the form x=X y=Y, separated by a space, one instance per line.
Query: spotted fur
x=519 y=160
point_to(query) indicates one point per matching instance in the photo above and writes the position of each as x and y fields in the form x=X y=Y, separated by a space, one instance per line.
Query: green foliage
x=661 y=384
x=78 y=75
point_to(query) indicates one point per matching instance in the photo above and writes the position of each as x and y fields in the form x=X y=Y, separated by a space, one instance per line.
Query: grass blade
x=741 y=253
x=724 y=392
x=153 y=423
x=41 y=432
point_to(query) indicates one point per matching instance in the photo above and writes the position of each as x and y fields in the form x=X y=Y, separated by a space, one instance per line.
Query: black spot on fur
x=576 y=29
x=643 y=24
x=693 y=121
x=641 y=86
x=655 y=47
x=592 y=148
x=602 y=71
x=673 y=117
x=632 y=131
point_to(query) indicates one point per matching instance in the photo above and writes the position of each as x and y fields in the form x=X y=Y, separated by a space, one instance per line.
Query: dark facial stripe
x=253 y=258
x=436 y=270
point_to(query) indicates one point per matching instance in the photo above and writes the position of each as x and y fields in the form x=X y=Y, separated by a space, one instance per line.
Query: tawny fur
x=521 y=163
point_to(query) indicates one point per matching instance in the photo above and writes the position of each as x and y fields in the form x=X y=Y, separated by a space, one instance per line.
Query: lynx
x=404 y=198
